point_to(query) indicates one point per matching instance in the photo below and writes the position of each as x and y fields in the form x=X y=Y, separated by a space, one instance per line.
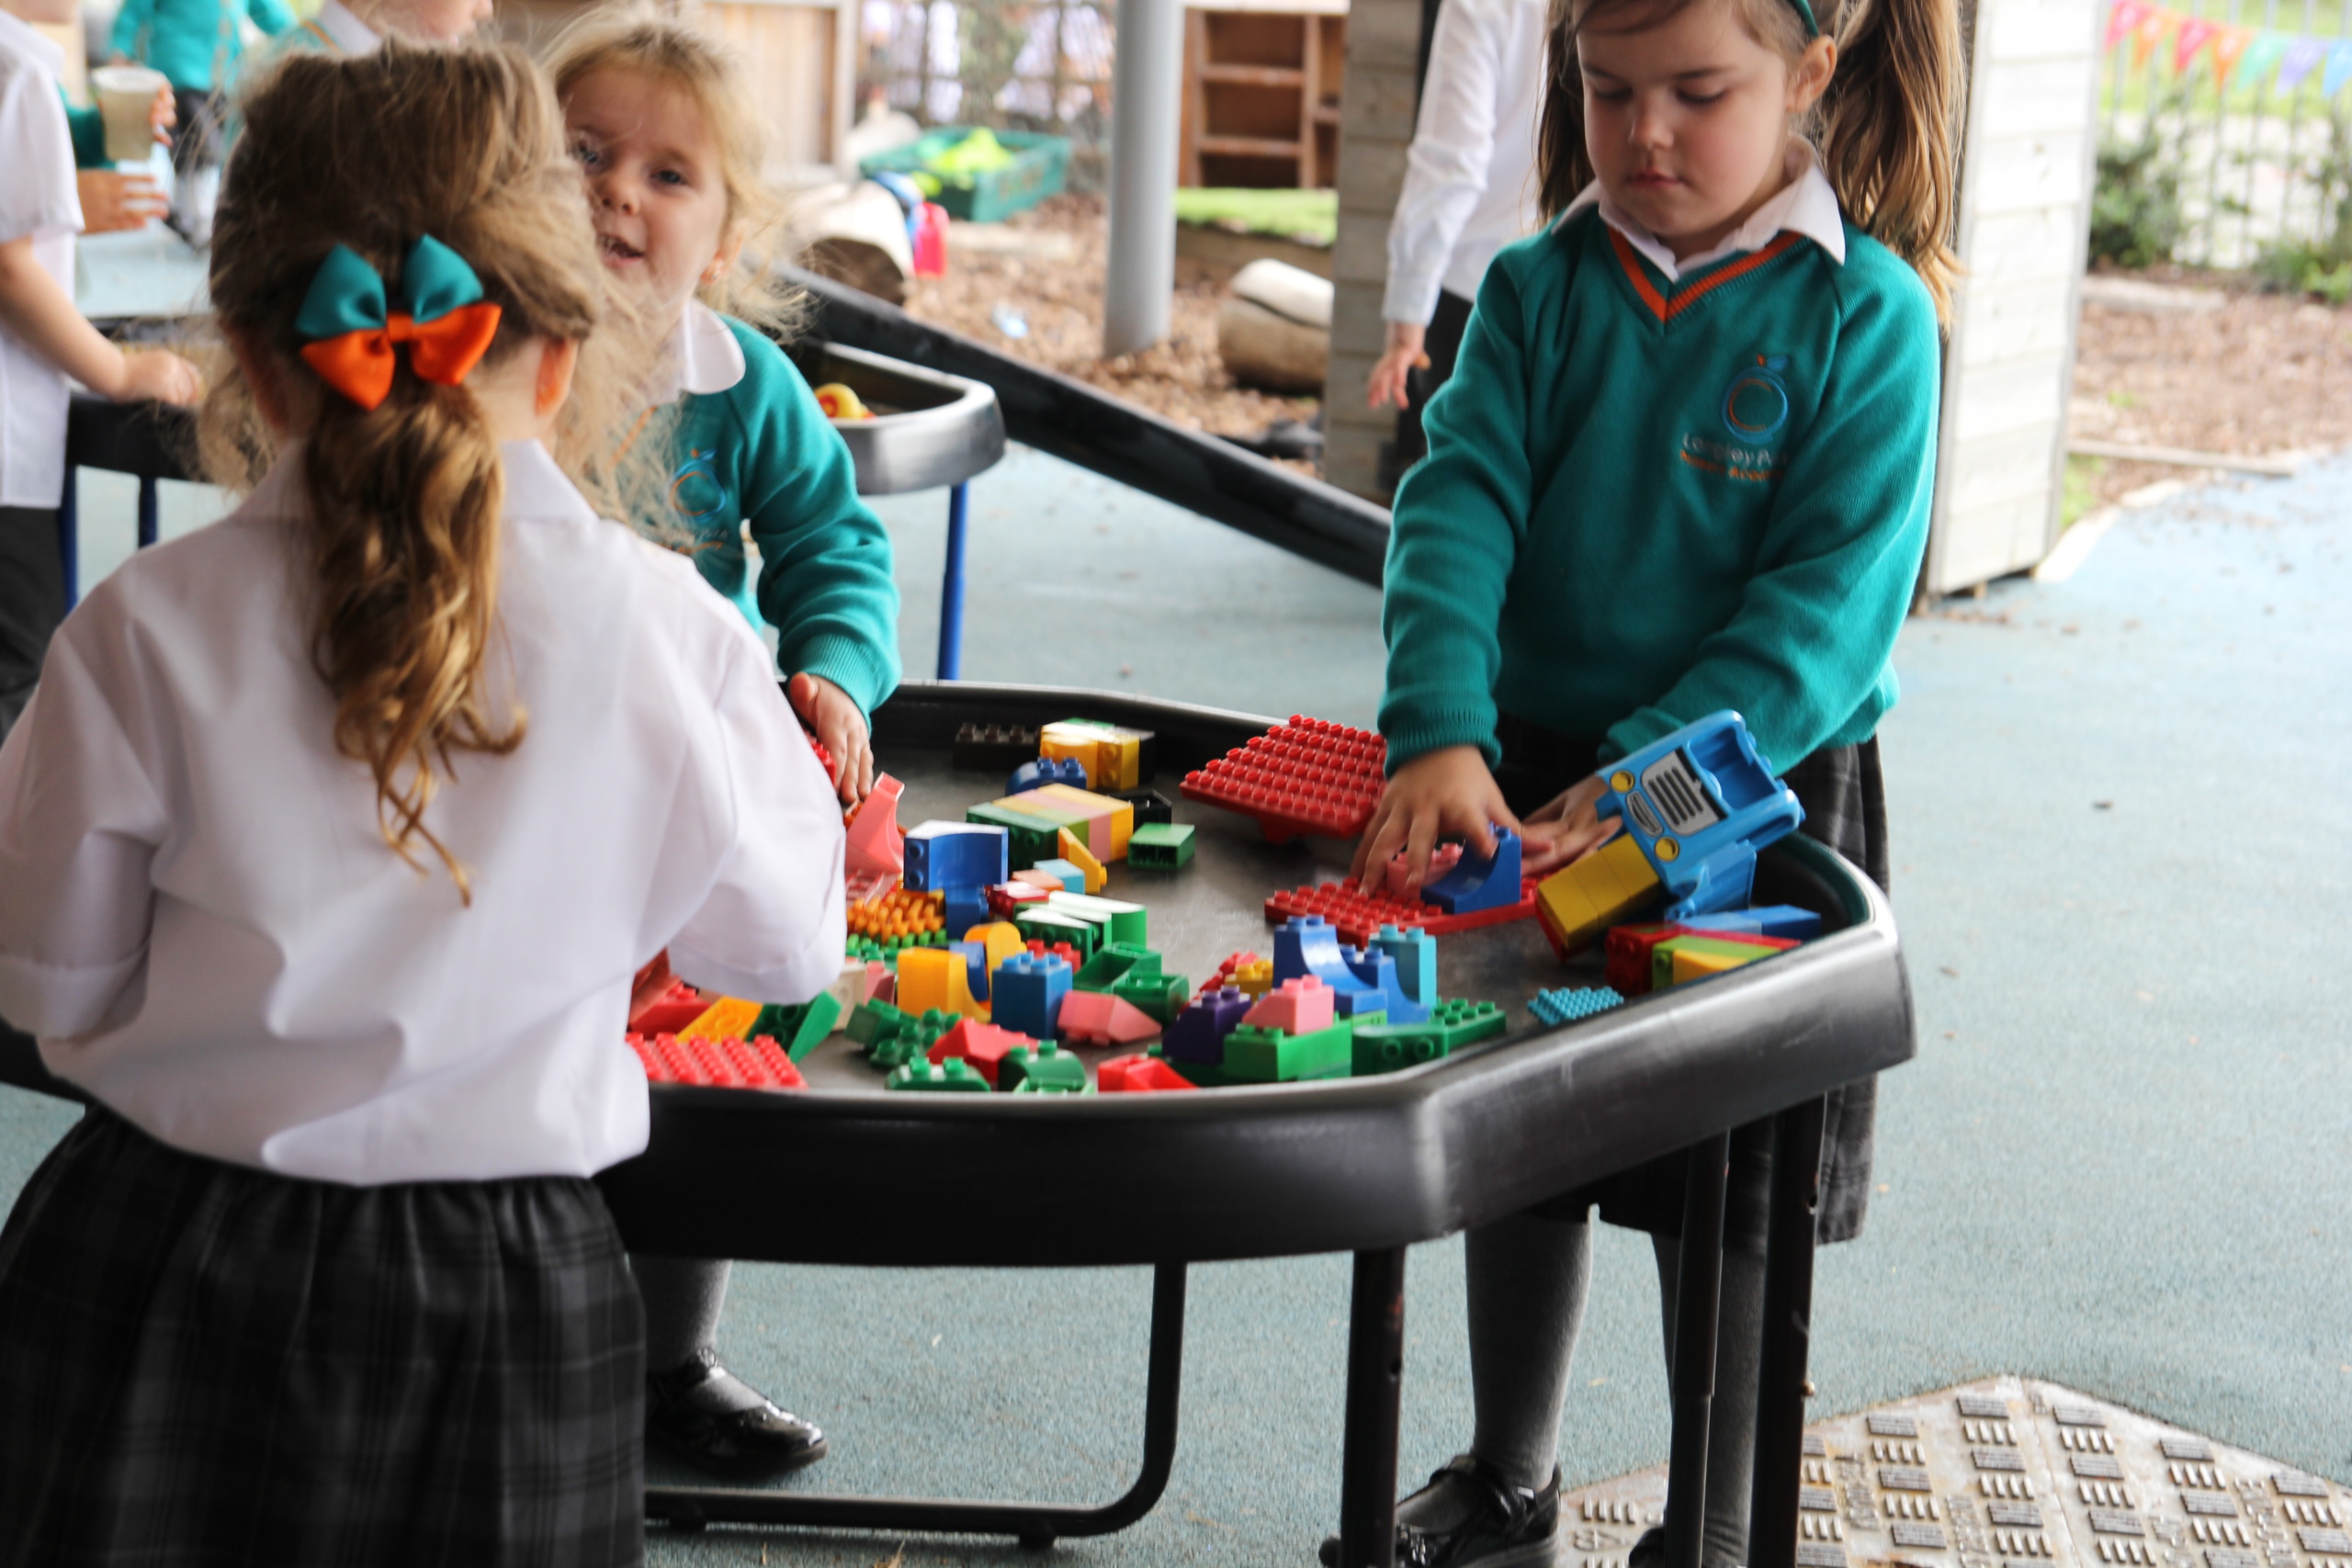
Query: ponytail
x=1887 y=126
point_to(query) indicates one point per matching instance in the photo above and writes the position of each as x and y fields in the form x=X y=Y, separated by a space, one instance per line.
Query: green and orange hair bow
x=448 y=325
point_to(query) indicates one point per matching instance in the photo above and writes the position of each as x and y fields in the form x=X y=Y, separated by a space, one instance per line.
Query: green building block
x=1127 y=923
x=1030 y=839
x=799 y=1029
x=1393 y=1050
x=868 y=1021
x=953 y=1076
x=1450 y=1027
x=1111 y=964
x=1662 y=955
x=1044 y=1068
x=1268 y=1055
x=1049 y=926
x=911 y=1038
x=1150 y=991
x=1160 y=846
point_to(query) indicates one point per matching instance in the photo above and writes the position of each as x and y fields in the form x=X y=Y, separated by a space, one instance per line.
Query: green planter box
x=1039 y=163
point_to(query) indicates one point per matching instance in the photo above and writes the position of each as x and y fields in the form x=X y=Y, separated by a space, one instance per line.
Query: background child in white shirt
x=45 y=344
x=328 y=850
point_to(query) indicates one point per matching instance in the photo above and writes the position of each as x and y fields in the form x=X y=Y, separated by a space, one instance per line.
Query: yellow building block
x=1578 y=902
x=1120 y=813
x=935 y=978
x=1001 y=938
x=725 y=1018
x=1257 y=978
x=1078 y=856
x=1688 y=965
x=1111 y=757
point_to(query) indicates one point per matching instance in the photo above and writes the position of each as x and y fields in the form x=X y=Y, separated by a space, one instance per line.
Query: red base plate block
x=1357 y=918
x=716 y=1064
x=1307 y=777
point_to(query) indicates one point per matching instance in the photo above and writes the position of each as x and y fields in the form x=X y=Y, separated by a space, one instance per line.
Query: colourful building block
x=1571 y=1003
x=1479 y=882
x=1111 y=821
x=911 y=1037
x=941 y=977
x=1150 y=806
x=1041 y=1067
x=1078 y=855
x=1684 y=958
x=1307 y=777
x=801 y=1027
x=1300 y=1005
x=1358 y=917
x=1414 y=951
x=1051 y=882
x=946 y=855
x=983 y=1044
x=1269 y=1056
x=1113 y=959
x=1045 y=771
x=1197 y=1034
x=991 y=748
x=1232 y=966
x=759 y=1063
x=1120 y=921
x=1001 y=938
x=1699 y=804
x=869 y=1021
x=1007 y=899
x=1377 y=1050
x=1450 y=1026
x=1152 y=991
x=1138 y=1075
x=942 y=1077
x=1160 y=846
x=1043 y=807
x=1050 y=925
x=1114 y=757
x=729 y=1018
x=873 y=846
x=1061 y=870
x=1026 y=992
x=1094 y=1018
x=668 y=1009
x=897 y=913
x=1578 y=902
x=1028 y=839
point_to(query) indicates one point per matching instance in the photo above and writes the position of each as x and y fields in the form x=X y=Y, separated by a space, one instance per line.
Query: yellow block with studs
x=1577 y=903
x=725 y=1018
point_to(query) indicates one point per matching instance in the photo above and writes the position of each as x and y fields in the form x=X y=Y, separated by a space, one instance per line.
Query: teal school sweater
x=1645 y=501
x=762 y=451
x=194 y=42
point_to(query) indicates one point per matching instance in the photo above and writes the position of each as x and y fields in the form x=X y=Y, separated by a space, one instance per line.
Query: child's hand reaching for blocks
x=1445 y=793
x=840 y=727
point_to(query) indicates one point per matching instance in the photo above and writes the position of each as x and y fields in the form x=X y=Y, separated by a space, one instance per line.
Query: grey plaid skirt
x=203 y=1365
x=1844 y=796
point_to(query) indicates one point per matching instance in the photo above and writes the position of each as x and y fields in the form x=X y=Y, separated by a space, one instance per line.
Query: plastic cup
x=126 y=97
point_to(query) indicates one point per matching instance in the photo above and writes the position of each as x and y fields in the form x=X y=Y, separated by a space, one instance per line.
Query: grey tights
x=1527 y=1281
x=683 y=1297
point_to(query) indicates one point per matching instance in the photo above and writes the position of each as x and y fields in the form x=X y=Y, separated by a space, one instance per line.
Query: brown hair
x=1886 y=126
x=631 y=38
x=464 y=144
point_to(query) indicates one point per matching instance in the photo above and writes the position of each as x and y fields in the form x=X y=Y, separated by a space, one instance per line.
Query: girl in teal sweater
x=668 y=133
x=1685 y=463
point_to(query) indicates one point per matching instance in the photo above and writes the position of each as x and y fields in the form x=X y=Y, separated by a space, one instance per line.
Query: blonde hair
x=1886 y=126
x=465 y=144
x=630 y=37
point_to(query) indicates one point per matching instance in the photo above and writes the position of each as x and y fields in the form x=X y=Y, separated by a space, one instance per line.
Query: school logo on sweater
x=695 y=490
x=1755 y=407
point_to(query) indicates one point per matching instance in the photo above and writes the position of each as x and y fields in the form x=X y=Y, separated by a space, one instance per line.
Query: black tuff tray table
x=1366 y=1166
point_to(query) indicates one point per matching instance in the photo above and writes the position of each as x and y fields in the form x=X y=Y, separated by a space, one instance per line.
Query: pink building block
x=874 y=839
x=1300 y=1007
x=1098 y=1017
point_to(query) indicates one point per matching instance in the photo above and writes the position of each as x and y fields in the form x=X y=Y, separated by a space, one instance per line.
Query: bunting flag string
x=2240 y=55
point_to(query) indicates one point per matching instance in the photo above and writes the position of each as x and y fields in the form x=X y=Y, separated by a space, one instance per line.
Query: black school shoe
x=1506 y=1527
x=707 y=1416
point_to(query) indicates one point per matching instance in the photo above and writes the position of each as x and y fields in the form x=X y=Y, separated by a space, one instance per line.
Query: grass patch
x=2079 y=495
x=1309 y=215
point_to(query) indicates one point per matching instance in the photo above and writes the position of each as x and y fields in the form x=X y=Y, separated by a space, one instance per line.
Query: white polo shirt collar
x=1805 y=206
x=701 y=357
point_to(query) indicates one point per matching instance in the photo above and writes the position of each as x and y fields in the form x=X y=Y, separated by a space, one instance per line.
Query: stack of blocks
x=1113 y=758
x=1291 y=1034
x=1578 y=902
x=1365 y=981
x=958 y=861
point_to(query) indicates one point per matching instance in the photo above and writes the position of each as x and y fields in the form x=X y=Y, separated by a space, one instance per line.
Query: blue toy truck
x=1701 y=803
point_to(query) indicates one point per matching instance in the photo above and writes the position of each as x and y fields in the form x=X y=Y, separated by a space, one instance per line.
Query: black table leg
x=1788 y=1336
x=1035 y=1524
x=1376 y=1384
x=1697 y=1300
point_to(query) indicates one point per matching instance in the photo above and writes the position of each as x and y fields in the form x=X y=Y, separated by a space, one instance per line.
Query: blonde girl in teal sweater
x=1685 y=463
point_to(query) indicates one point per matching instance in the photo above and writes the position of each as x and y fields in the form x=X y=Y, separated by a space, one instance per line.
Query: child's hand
x=841 y=730
x=1565 y=829
x=157 y=374
x=1445 y=793
x=112 y=202
x=1385 y=387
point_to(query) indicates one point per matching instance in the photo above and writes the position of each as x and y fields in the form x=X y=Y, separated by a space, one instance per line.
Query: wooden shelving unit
x=1261 y=93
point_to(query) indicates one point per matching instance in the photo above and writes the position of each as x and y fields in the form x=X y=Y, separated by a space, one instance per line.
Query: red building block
x=1358 y=917
x=1137 y=1074
x=1301 y=1007
x=1307 y=777
x=1225 y=972
x=759 y=1064
x=1098 y=1017
x=669 y=1010
x=982 y=1045
x=1060 y=950
x=1006 y=898
x=874 y=842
